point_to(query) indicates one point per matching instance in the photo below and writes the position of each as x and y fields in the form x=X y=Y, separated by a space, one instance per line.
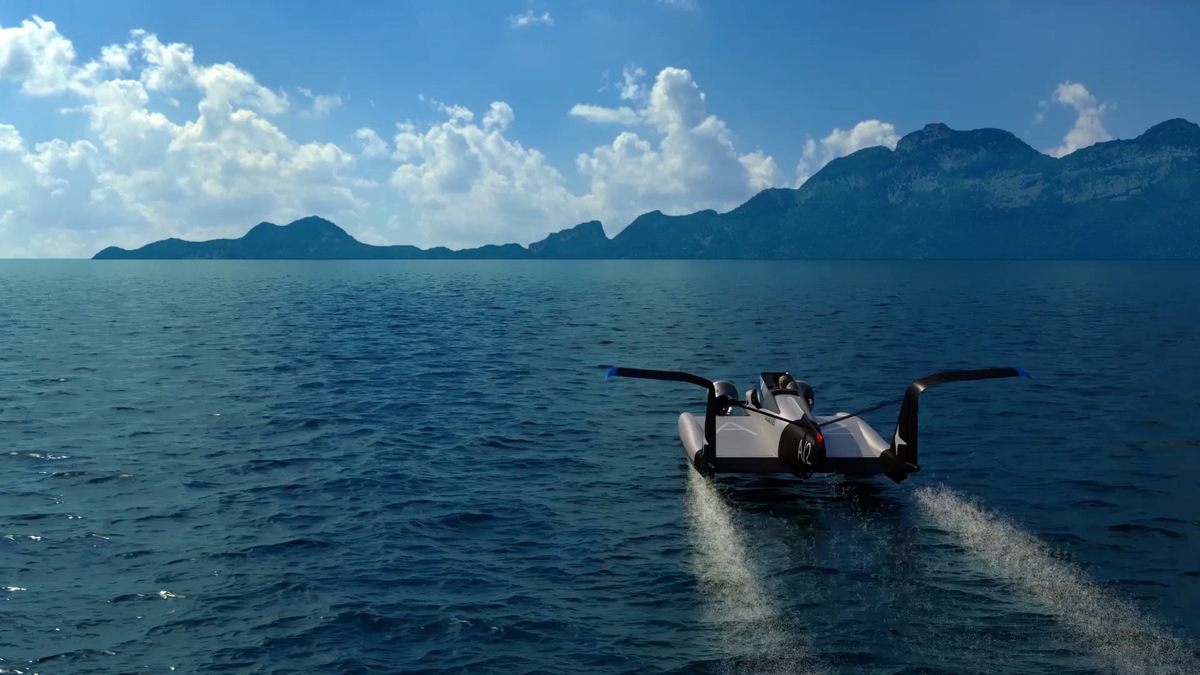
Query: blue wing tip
x=612 y=372
x=1022 y=373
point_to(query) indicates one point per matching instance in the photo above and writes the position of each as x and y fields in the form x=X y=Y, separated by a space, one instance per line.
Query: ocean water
x=413 y=466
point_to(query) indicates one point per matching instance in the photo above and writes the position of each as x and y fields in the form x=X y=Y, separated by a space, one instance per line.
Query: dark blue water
x=418 y=466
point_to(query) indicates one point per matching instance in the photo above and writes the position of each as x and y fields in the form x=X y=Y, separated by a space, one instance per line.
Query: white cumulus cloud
x=37 y=56
x=322 y=104
x=596 y=113
x=839 y=143
x=689 y=5
x=498 y=116
x=176 y=144
x=530 y=19
x=471 y=185
x=140 y=176
x=1088 y=128
x=371 y=144
x=688 y=161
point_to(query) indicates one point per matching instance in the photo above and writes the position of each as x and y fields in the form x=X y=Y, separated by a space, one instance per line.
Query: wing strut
x=902 y=453
x=706 y=459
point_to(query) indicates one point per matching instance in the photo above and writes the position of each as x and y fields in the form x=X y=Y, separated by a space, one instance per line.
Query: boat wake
x=755 y=635
x=1104 y=624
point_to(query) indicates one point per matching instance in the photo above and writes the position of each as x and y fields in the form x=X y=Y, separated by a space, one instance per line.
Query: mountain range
x=940 y=193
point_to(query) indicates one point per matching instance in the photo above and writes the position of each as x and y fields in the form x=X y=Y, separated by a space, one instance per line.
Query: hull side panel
x=747 y=436
x=850 y=438
x=691 y=434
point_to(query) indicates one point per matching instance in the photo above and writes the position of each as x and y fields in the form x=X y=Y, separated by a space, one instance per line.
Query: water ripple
x=223 y=466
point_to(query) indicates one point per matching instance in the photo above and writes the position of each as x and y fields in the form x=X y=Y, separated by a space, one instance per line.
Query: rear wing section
x=902 y=453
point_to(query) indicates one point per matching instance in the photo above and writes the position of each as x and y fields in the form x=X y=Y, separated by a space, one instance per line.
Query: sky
x=461 y=123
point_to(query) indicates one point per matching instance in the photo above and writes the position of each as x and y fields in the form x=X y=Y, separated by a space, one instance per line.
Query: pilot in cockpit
x=793 y=386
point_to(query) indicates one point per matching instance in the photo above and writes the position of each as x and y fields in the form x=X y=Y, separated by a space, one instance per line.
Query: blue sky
x=214 y=116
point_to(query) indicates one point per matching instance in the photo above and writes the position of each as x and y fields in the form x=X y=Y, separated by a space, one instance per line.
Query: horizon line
x=526 y=260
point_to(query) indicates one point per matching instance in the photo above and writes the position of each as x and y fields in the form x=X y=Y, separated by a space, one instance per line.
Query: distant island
x=941 y=193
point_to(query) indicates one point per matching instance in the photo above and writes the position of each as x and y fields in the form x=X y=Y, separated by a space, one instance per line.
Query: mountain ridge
x=941 y=193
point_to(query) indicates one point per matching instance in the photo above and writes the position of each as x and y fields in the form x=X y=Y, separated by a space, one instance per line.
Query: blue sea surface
x=418 y=466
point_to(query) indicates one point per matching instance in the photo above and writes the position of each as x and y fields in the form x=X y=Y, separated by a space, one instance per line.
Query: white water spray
x=754 y=633
x=1104 y=624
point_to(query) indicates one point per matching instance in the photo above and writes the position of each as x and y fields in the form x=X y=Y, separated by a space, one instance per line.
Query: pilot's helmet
x=787 y=382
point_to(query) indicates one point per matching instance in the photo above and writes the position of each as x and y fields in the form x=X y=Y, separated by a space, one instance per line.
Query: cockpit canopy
x=774 y=384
